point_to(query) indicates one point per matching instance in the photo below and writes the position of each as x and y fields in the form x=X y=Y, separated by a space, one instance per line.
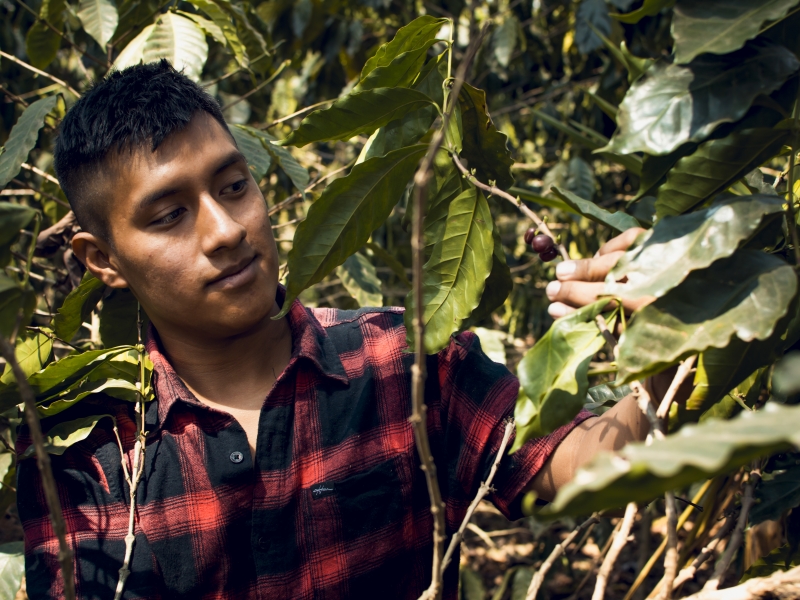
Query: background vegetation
x=604 y=115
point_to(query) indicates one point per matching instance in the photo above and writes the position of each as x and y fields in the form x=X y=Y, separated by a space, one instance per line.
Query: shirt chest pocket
x=369 y=503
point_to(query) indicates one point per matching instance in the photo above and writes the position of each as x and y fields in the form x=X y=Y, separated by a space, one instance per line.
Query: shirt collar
x=309 y=341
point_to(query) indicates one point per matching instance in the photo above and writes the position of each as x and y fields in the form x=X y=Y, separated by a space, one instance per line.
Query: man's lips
x=237 y=274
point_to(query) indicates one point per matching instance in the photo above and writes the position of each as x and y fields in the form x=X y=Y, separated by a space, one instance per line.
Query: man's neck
x=235 y=372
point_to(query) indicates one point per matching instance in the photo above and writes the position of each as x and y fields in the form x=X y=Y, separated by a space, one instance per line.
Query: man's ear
x=95 y=254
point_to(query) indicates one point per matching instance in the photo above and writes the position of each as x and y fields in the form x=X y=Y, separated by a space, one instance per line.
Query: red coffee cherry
x=550 y=254
x=529 y=235
x=542 y=243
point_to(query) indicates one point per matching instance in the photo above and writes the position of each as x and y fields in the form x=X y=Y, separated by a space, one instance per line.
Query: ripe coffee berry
x=550 y=254
x=529 y=235
x=542 y=243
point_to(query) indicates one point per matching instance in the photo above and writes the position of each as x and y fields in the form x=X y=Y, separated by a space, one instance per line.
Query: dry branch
x=689 y=572
x=620 y=539
x=45 y=469
x=778 y=586
x=538 y=578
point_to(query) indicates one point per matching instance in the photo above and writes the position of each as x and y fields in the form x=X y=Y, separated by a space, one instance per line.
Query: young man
x=280 y=462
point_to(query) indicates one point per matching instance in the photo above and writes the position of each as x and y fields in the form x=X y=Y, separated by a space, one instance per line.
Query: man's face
x=191 y=234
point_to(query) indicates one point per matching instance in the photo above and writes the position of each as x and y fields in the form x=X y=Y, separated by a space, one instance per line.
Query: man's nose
x=217 y=227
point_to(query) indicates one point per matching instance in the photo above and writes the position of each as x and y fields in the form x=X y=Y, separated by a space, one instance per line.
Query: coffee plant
x=441 y=155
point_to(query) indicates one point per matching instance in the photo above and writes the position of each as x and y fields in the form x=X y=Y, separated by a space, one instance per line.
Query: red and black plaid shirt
x=334 y=504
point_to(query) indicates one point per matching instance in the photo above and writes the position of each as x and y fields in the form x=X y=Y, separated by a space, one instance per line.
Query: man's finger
x=559 y=309
x=620 y=243
x=581 y=293
x=587 y=269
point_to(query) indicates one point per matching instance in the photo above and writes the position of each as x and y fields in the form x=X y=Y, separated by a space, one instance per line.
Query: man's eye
x=235 y=188
x=171 y=216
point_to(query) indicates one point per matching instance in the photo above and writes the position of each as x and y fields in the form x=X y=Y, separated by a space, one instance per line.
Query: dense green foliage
x=678 y=116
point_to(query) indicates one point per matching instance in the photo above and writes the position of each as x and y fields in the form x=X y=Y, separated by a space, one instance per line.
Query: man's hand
x=581 y=282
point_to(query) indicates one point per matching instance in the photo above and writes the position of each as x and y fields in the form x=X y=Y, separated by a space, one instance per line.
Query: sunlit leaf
x=62 y=436
x=12 y=568
x=553 y=374
x=23 y=138
x=258 y=159
x=133 y=53
x=180 y=41
x=618 y=220
x=782 y=558
x=345 y=215
x=32 y=352
x=721 y=26
x=504 y=40
x=498 y=285
x=207 y=26
x=99 y=18
x=224 y=22
x=639 y=473
x=743 y=295
x=41 y=42
x=455 y=274
x=77 y=307
x=681 y=244
x=484 y=147
x=648 y=9
x=714 y=166
x=674 y=104
x=360 y=279
x=357 y=113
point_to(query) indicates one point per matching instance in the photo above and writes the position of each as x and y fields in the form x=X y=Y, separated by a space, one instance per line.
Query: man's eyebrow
x=232 y=158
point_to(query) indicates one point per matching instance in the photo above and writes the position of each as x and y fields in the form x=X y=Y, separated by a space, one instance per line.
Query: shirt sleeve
x=477 y=398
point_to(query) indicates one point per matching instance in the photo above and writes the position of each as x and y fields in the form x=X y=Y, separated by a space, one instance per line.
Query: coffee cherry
x=529 y=235
x=549 y=254
x=541 y=243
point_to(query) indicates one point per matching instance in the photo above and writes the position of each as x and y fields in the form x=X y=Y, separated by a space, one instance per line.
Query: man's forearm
x=622 y=424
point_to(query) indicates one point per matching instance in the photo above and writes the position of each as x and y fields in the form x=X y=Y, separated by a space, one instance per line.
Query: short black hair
x=127 y=110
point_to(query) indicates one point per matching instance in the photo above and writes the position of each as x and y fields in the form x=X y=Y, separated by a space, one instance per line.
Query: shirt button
x=237 y=457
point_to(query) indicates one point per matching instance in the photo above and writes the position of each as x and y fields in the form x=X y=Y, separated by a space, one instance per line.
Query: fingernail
x=552 y=289
x=557 y=310
x=566 y=268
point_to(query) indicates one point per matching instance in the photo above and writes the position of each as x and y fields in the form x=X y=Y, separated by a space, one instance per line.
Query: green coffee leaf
x=743 y=295
x=357 y=113
x=360 y=279
x=13 y=218
x=782 y=558
x=32 y=352
x=454 y=276
x=223 y=21
x=23 y=138
x=180 y=41
x=605 y=396
x=639 y=473
x=674 y=104
x=77 y=307
x=116 y=388
x=296 y=172
x=133 y=53
x=64 y=435
x=258 y=54
x=648 y=9
x=678 y=245
x=41 y=42
x=591 y=16
x=777 y=494
x=484 y=146
x=504 y=40
x=12 y=299
x=618 y=220
x=714 y=166
x=498 y=285
x=721 y=26
x=12 y=568
x=210 y=28
x=345 y=215
x=258 y=159
x=415 y=38
x=553 y=374
x=99 y=18
x=118 y=319
x=395 y=265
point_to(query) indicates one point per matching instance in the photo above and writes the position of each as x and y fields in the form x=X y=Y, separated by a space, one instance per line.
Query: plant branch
x=595 y=561
x=778 y=586
x=685 y=368
x=297 y=113
x=45 y=469
x=689 y=572
x=52 y=78
x=671 y=557
x=496 y=191
x=267 y=81
x=418 y=418
x=539 y=576
x=620 y=539
x=736 y=537
x=483 y=491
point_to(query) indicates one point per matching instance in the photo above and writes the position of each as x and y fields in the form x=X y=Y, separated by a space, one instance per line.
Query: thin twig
x=40 y=173
x=483 y=491
x=52 y=78
x=13 y=96
x=55 y=199
x=620 y=539
x=736 y=537
x=539 y=576
x=681 y=374
x=45 y=469
x=689 y=572
x=595 y=561
x=671 y=557
x=418 y=418
x=496 y=191
x=297 y=113
x=267 y=81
